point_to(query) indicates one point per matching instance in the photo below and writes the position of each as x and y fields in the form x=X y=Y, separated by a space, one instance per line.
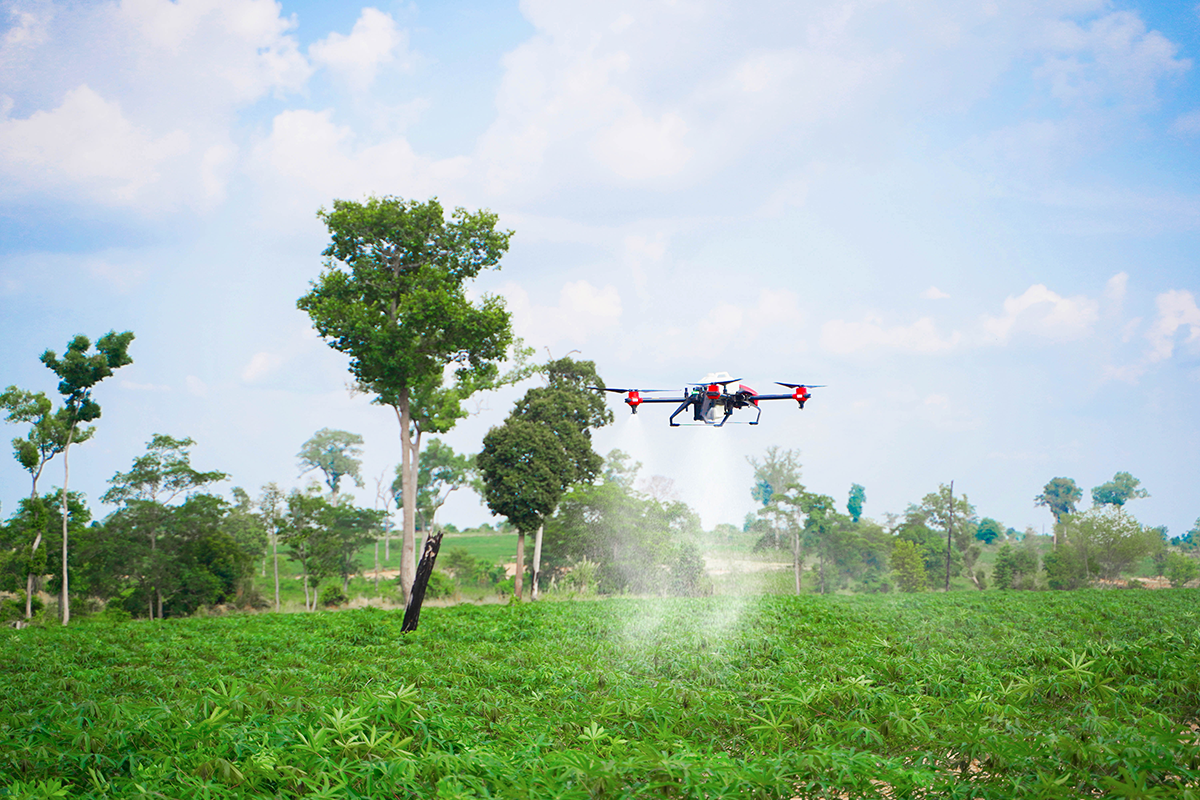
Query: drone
x=712 y=393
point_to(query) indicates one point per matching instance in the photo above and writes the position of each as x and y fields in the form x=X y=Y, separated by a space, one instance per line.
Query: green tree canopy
x=79 y=371
x=854 y=505
x=989 y=530
x=393 y=298
x=337 y=454
x=1121 y=489
x=1059 y=495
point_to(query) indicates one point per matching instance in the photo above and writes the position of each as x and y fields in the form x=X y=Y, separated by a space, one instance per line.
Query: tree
x=1059 y=495
x=336 y=454
x=1180 y=569
x=523 y=467
x=854 y=505
x=908 y=566
x=989 y=530
x=1015 y=567
x=270 y=509
x=46 y=439
x=955 y=517
x=78 y=373
x=627 y=540
x=1110 y=540
x=442 y=472
x=392 y=297
x=570 y=408
x=301 y=532
x=1121 y=489
x=777 y=487
x=160 y=477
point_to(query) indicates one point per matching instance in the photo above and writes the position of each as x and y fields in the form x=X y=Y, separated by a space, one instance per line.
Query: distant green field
x=980 y=695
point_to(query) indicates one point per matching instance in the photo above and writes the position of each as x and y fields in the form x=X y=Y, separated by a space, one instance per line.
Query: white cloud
x=934 y=293
x=86 y=141
x=843 y=338
x=1176 y=310
x=636 y=147
x=1114 y=290
x=374 y=41
x=1110 y=59
x=260 y=365
x=1041 y=312
x=242 y=46
x=583 y=311
x=309 y=151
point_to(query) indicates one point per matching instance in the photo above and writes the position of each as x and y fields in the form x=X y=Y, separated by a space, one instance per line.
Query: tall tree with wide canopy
x=1059 y=495
x=47 y=438
x=79 y=371
x=1121 y=489
x=337 y=454
x=392 y=297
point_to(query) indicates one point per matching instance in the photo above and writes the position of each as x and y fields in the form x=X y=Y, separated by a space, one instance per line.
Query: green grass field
x=988 y=695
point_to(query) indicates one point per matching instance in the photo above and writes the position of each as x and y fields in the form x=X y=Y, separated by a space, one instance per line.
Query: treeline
x=943 y=538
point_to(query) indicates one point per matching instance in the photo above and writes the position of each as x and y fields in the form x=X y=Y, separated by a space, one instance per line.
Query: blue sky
x=977 y=223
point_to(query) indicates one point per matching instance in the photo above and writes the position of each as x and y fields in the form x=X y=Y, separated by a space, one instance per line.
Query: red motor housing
x=800 y=395
x=634 y=400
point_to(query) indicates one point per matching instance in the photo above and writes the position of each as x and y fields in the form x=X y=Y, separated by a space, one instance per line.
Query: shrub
x=332 y=595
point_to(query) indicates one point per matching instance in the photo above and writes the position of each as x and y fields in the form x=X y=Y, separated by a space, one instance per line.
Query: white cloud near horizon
x=1041 y=312
x=1177 y=311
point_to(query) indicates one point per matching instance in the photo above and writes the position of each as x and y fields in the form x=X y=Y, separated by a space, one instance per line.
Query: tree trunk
x=376 y=565
x=949 y=534
x=519 y=578
x=537 y=563
x=412 y=612
x=66 y=599
x=275 y=557
x=822 y=573
x=796 y=558
x=408 y=482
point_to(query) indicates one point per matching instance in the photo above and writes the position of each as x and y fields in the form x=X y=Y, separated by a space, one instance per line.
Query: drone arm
x=671 y=420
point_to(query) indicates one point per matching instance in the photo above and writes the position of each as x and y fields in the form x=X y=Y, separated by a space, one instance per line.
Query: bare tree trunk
x=949 y=534
x=519 y=578
x=537 y=563
x=66 y=598
x=796 y=558
x=412 y=612
x=275 y=558
x=376 y=565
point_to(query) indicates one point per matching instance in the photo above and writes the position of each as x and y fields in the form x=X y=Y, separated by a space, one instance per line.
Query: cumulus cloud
x=1114 y=290
x=310 y=152
x=1044 y=313
x=1177 y=311
x=934 y=293
x=582 y=312
x=843 y=337
x=374 y=41
x=86 y=141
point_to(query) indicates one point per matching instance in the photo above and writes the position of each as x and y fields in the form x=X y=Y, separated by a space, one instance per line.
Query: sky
x=977 y=224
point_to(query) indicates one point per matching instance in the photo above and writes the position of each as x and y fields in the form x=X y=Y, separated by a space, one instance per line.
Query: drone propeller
x=716 y=383
x=800 y=385
x=624 y=391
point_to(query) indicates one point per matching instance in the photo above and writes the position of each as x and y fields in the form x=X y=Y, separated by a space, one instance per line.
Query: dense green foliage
x=962 y=695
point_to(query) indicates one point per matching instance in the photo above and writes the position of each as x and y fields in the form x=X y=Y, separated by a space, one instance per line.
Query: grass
x=957 y=695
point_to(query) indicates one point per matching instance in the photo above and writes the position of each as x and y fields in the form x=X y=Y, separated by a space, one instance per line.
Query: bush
x=332 y=595
x=13 y=608
x=1180 y=569
x=440 y=585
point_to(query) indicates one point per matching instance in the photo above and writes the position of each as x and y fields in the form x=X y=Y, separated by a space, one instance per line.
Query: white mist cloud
x=1041 y=312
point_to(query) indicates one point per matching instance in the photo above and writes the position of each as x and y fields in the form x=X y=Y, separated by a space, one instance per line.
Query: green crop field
x=984 y=695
